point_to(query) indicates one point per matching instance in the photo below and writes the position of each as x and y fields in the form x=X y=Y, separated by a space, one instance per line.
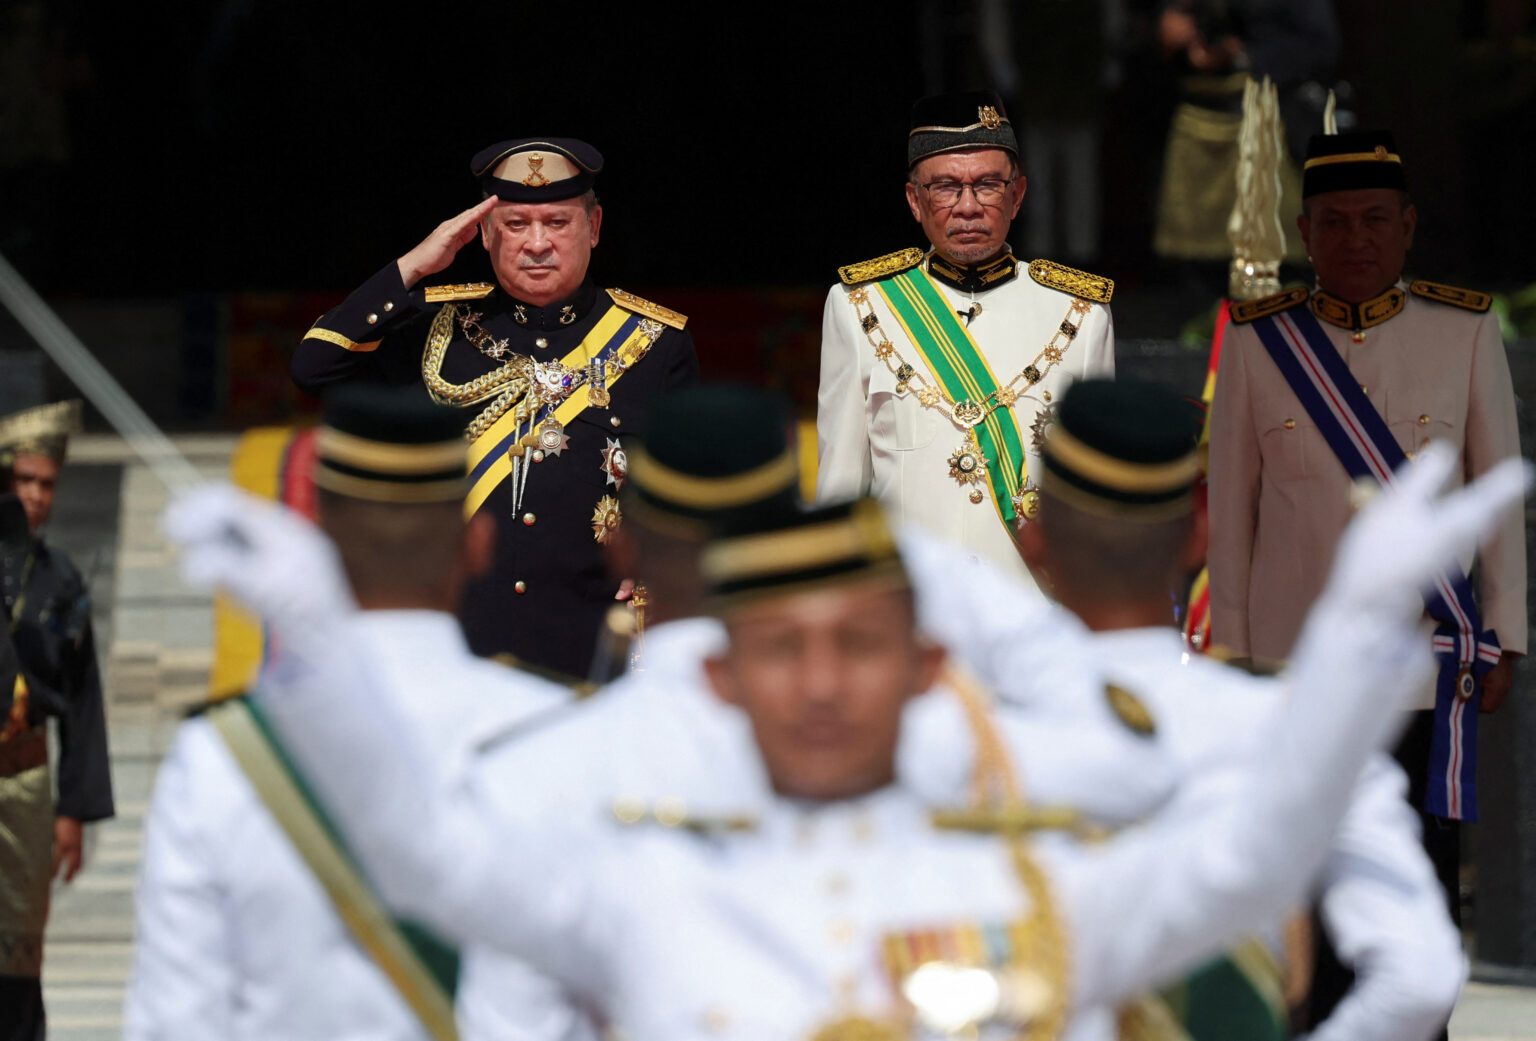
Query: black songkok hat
x=776 y=555
x=708 y=456
x=1122 y=448
x=1343 y=162
x=537 y=169
x=43 y=430
x=952 y=122
x=391 y=444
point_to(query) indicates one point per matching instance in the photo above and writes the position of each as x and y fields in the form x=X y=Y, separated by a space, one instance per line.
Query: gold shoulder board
x=1252 y=310
x=881 y=267
x=640 y=305
x=1470 y=299
x=461 y=291
x=1072 y=281
x=1130 y=710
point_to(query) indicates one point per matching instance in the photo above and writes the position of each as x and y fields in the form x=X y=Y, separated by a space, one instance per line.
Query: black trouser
x=1442 y=842
x=21 y=1009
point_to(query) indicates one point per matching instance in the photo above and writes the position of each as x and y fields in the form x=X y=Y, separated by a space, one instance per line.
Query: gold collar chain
x=965 y=414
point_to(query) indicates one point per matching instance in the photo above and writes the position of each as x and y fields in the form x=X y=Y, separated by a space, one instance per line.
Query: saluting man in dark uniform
x=550 y=371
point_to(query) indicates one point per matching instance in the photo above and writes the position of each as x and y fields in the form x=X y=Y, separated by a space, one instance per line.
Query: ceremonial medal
x=968 y=413
x=1026 y=504
x=605 y=519
x=552 y=439
x=968 y=466
x=1040 y=429
x=553 y=381
x=1466 y=684
x=597 y=395
x=615 y=464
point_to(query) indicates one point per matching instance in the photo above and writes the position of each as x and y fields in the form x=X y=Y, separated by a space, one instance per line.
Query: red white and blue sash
x=1366 y=448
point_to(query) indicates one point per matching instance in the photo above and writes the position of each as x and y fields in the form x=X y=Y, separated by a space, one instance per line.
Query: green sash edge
x=441 y=961
x=1223 y=1001
x=958 y=364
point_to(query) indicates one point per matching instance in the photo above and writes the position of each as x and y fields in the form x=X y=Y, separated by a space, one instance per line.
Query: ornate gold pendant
x=968 y=467
x=968 y=413
x=552 y=439
x=1026 y=504
x=598 y=396
x=606 y=519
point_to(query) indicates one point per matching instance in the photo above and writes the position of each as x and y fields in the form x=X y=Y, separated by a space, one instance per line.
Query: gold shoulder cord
x=504 y=387
x=1042 y=971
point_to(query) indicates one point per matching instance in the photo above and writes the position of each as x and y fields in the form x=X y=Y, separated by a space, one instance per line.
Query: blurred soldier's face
x=1358 y=240
x=968 y=229
x=540 y=251
x=823 y=677
x=36 y=478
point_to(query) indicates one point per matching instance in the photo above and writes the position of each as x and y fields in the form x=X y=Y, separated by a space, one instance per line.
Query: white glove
x=1408 y=534
x=268 y=558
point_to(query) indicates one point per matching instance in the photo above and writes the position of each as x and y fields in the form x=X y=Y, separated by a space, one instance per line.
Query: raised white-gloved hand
x=268 y=558
x=1402 y=539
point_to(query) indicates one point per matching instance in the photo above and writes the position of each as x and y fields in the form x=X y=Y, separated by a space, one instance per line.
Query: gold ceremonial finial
x=535 y=178
x=638 y=601
x=1254 y=228
x=1330 y=115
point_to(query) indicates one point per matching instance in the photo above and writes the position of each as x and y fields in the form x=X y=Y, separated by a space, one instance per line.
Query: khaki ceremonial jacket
x=875 y=439
x=1279 y=497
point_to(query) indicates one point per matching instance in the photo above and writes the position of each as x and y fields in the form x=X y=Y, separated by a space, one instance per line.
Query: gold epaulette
x=1264 y=306
x=881 y=267
x=1071 y=281
x=640 y=305
x=1467 y=299
x=460 y=291
x=673 y=813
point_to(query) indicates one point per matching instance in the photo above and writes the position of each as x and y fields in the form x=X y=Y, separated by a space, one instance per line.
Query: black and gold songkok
x=386 y=444
x=1345 y=162
x=1122 y=448
x=537 y=169
x=43 y=430
x=708 y=456
x=954 y=122
x=838 y=545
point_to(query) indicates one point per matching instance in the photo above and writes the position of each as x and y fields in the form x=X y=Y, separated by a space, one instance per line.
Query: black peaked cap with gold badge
x=537 y=169
x=708 y=456
x=390 y=444
x=770 y=554
x=1122 y=448
x=1344 y=162
x=957 y=121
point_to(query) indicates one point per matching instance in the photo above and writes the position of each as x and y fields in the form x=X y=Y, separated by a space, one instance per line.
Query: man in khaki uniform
x=1319 y=390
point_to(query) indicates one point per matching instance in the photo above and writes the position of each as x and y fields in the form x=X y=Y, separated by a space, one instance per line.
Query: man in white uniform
x=236 y=935
x=1118 y=533
x=682 y=926
x=940 y=367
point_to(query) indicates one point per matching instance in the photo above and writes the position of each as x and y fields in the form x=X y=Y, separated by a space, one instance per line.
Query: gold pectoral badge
x=968 y=466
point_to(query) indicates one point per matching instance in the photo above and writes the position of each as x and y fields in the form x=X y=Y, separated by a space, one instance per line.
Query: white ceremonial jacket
x=673 y=931
x=1377 y=892
x=1279 y=498
x=873 y=440
x=235 y=939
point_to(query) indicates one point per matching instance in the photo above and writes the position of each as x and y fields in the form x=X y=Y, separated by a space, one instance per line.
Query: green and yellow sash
x=422 y=969
x=962 y=371
x=1237 y=997
x=618 y=334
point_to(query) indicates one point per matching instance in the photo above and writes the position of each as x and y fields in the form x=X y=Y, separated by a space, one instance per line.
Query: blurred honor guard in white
x=838 y=909
x=1320 y=397
x=1118 y=533
x=251 y=924
x=47 y=609
x=941 y=367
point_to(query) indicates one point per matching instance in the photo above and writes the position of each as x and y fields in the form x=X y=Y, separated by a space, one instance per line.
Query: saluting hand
x=437 y=250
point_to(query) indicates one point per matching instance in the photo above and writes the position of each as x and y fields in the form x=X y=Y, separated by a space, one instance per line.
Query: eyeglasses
x=947 y=193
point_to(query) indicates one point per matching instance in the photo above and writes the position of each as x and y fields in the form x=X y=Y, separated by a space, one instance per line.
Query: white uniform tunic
x=659 y=926
x=876 y=441
x=235 y=938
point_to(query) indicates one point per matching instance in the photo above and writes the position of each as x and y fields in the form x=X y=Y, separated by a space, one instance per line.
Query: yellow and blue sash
x=1367 y=450
x=960 y=368
x=618 y=335
x=423 y=970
